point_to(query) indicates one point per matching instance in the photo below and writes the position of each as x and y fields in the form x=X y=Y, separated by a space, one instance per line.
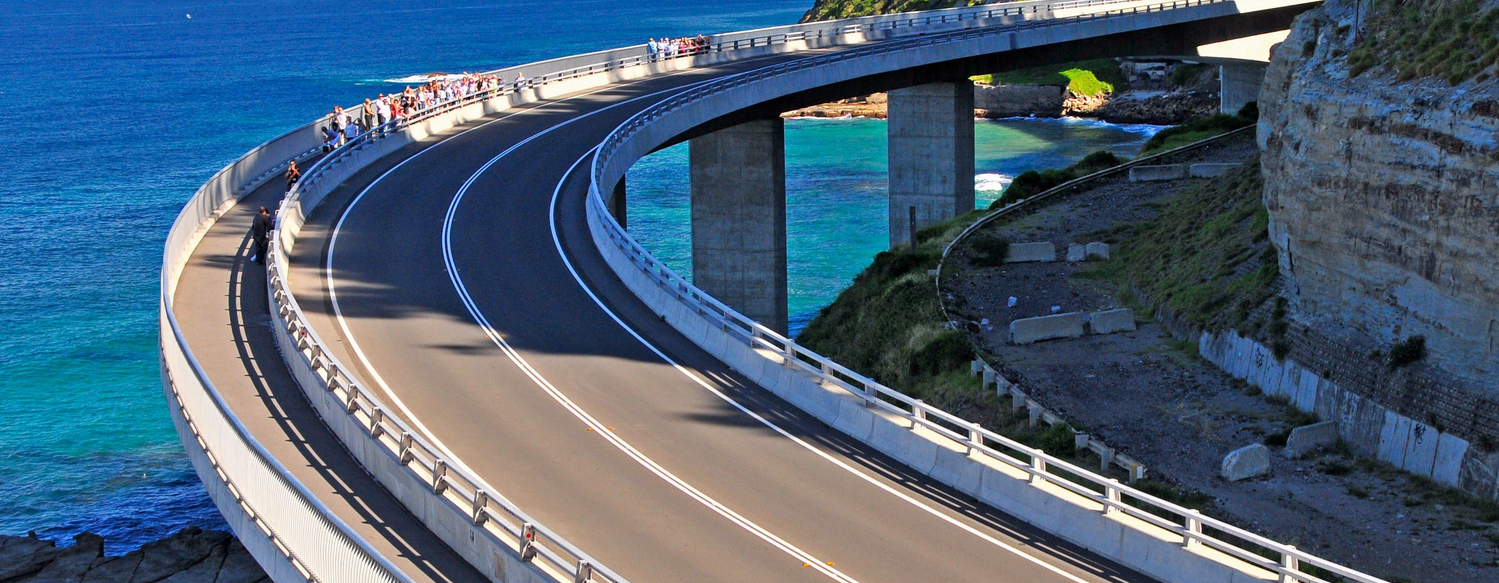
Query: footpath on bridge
x=222 y=307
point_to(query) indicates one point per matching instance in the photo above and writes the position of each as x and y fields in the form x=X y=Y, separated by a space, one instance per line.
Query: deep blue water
x=118 y=110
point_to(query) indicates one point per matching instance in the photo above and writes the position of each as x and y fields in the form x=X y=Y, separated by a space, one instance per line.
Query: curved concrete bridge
x=459 y=366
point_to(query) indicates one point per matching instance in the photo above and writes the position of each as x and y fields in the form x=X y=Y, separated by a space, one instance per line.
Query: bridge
x=459 y=366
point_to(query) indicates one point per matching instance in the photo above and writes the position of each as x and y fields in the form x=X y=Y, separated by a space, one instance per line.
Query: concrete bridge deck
x=698 y=488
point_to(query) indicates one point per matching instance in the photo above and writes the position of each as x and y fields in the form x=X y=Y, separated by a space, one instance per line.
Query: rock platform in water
x=192 y=555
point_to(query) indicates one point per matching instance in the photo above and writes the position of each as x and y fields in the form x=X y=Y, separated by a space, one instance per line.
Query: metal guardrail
x=1288 y=562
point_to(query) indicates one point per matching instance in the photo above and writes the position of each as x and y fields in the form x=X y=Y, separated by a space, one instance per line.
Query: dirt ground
x=1152 y=398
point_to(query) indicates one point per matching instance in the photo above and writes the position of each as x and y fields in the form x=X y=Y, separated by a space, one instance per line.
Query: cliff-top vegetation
x=835 y=9
x=1090 y=78
x=1453 y=40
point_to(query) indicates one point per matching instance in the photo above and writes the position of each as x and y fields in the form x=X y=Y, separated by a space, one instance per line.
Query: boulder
x=1246 y=462
x=71 y=563
x=1307 y=439
x=24 y=555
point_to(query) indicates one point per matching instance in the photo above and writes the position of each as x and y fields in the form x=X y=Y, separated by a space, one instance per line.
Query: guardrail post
x=1193 y=530
x=527 y=542
x=1112 y=494
x=975 y=367
x=353 y=402
x=439 y=477
x=1038 y=467
x=481 y=504
x=406 y=442
x=1289 y=564
x=1017 y=399
x=1035 y=411
x=585 y=572
x=376 y=430
x=989 y=380
x=871 y=394
x=918 y=412
x=790 y=349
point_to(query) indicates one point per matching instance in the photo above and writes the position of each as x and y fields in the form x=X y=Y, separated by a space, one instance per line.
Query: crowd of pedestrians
x=668 y=48
x=344 y=125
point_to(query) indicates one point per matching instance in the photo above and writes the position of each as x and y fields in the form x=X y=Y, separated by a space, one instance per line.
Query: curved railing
x=489 y=511
x=626 y=145
x=256 y=494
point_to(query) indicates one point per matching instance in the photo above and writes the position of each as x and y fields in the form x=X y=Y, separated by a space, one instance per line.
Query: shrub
x=991 y=251
x=1032 y=182
x=947 y=351
x=1206 y=127
x=1407 y=352
x=1058 y=440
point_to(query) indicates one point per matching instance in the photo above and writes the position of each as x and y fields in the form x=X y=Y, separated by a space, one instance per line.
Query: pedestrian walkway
x=223 y=313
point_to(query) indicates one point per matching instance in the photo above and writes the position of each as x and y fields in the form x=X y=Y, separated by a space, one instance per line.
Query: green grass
x=1453 y=40
x=1090 y=78
x=1198 y=130
x=1205 y=257
x=1033 y=182
x=835 y=9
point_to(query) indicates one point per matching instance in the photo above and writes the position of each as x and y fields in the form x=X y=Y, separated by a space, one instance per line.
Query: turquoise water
x=836 y=192
x=117 y=111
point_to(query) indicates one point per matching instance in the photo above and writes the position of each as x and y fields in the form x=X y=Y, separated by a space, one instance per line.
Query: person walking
x=292 y=175
x=260 y=231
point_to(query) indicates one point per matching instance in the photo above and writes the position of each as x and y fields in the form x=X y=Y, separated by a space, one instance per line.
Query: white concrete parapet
x=1032 y=330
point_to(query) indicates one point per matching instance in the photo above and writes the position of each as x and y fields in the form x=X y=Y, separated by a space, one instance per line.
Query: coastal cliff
x=1382 y=178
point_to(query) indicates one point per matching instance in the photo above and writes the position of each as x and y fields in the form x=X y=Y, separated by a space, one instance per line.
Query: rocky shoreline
x=193 y=555
x=1152 y=96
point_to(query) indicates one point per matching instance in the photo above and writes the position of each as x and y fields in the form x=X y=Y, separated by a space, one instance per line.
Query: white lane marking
x=807 y=559
x=704 y=384
x=333 y=243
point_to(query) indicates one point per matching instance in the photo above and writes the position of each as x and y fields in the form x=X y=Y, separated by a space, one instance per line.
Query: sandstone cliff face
x=1384 y=198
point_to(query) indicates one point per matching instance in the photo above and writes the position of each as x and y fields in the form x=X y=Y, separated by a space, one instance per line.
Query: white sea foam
x=991 y=182
x=423 y=78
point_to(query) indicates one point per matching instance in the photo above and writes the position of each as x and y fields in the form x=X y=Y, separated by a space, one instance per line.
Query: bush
x=1205 y=127
x=1404 y=353
x=991 y=251
x=949 y=350
x=1058 y=440
x=1032 y=182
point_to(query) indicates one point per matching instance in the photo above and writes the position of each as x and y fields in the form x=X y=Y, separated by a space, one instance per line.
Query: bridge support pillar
x=617 y=204
x=1240 y=85
x=931 y=156
x=739 y=218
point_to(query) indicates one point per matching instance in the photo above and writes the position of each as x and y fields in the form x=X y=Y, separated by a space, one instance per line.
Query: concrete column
x=1240 y=85
x=617 y=204
x=739 y=218
x=931 y=156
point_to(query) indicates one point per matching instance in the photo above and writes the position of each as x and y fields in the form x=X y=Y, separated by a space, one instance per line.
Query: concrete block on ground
x=1213 y=170
x=1111 y=321
x=1031 y=252
x=1246 y=462
x=1097 y=250
x=1307 y=439
x=1076 y=253
x=1157 y=173
x=1032 y=330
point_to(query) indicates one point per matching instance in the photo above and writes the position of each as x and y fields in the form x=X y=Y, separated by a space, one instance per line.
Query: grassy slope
x=1453 y=40
x=835 y=9
x=1083 y=78
x=1206 y=257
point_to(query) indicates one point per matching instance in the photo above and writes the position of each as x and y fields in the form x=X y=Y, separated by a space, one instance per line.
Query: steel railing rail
x=489 y=509
x=1288 y=562
x=295 y=524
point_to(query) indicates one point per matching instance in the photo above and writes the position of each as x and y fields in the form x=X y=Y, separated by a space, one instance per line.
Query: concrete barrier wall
x=1213 y=170
x=1157 y=173
x=1031 y=252
x=1032 y=330
x=1368 y=427
x=1111 y=321
x=1133 y=543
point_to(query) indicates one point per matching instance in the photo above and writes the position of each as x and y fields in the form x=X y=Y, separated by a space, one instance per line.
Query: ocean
x=119 y=110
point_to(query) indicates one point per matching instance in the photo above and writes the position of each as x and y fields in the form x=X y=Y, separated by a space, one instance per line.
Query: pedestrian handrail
x=450 y=482
x=293 y=522
x=1290 y=563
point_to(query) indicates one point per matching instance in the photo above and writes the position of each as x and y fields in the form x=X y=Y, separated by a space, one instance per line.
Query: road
x=591 y=413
